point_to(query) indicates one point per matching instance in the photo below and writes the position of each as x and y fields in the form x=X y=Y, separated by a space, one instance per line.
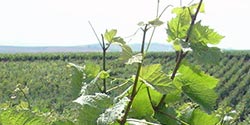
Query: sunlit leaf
x=92 y=107
x=21 y=117
x=141 y=106
x=119 y=40
x=82 y=76
x=193 y=74
x=199 y=117
x=194 y=7
x=114 y=113
x=156 y=22
x=205 y=97
x=104 y=75
x=177 y=45
x=204 y=34
x=135 y=59
x=109 y=35
x=205 y=54
x=76 y=79
x=198 y=86
x=126 y=53
x=190 y=9
x=91 y=70
x=154 y=77
x=173 y=96
x=141 y=23
x=92 y=87
x=178 y=27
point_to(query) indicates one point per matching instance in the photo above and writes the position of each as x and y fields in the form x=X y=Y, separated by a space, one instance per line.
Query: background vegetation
x=45 y=78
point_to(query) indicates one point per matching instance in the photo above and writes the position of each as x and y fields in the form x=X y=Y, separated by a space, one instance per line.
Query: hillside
x=156 y=47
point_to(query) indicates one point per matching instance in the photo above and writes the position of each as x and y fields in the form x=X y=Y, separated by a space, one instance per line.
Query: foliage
x=58 y=73
x=148 y=94
x=34 y=74
x=150 y=85
x=13 y=117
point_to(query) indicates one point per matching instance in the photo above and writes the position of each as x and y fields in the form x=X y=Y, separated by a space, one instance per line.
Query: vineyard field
x=47 y=77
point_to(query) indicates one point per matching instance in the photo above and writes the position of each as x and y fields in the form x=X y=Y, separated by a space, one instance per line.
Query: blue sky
x=65 y=22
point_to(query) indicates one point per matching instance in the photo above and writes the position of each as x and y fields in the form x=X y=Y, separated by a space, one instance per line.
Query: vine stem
x=157 y=16
x=104 y=51
x=180 y=54
x=134 y=90
x=95 y=33
x=193 y=21
x=104 y=63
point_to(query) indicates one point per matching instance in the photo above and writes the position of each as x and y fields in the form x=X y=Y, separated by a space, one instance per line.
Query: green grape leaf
x=205 y=97
x=195 y=6
x=156 y=97
x=21 y=117
x=156 y=22
x=178 y=10
x=135 y=59
x=204 y=34
x=82 y=76
x=198 y=86
x=154 y=77
x=76 y=79
x=178 y=27
x=126 y=50
x=186 y=111
x=114 y=113
x=205 y=54
x=161 y=116
x=92 y=87
x=190 y=9
x=177 y=45
x=173 y=96
x=141 y=23
x=141 y=106
x=91 y=70
x=126 y=53
x=92 y=107
x=119 y=40
x=171 y=30
x=104 y=74
x=109 y=35
x=193 y=74
x=199 y=117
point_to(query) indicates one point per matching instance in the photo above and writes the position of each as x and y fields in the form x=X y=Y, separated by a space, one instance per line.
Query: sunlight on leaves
x=198 y=86
x=135 y=59
x=114 y=113
x=109 y=35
